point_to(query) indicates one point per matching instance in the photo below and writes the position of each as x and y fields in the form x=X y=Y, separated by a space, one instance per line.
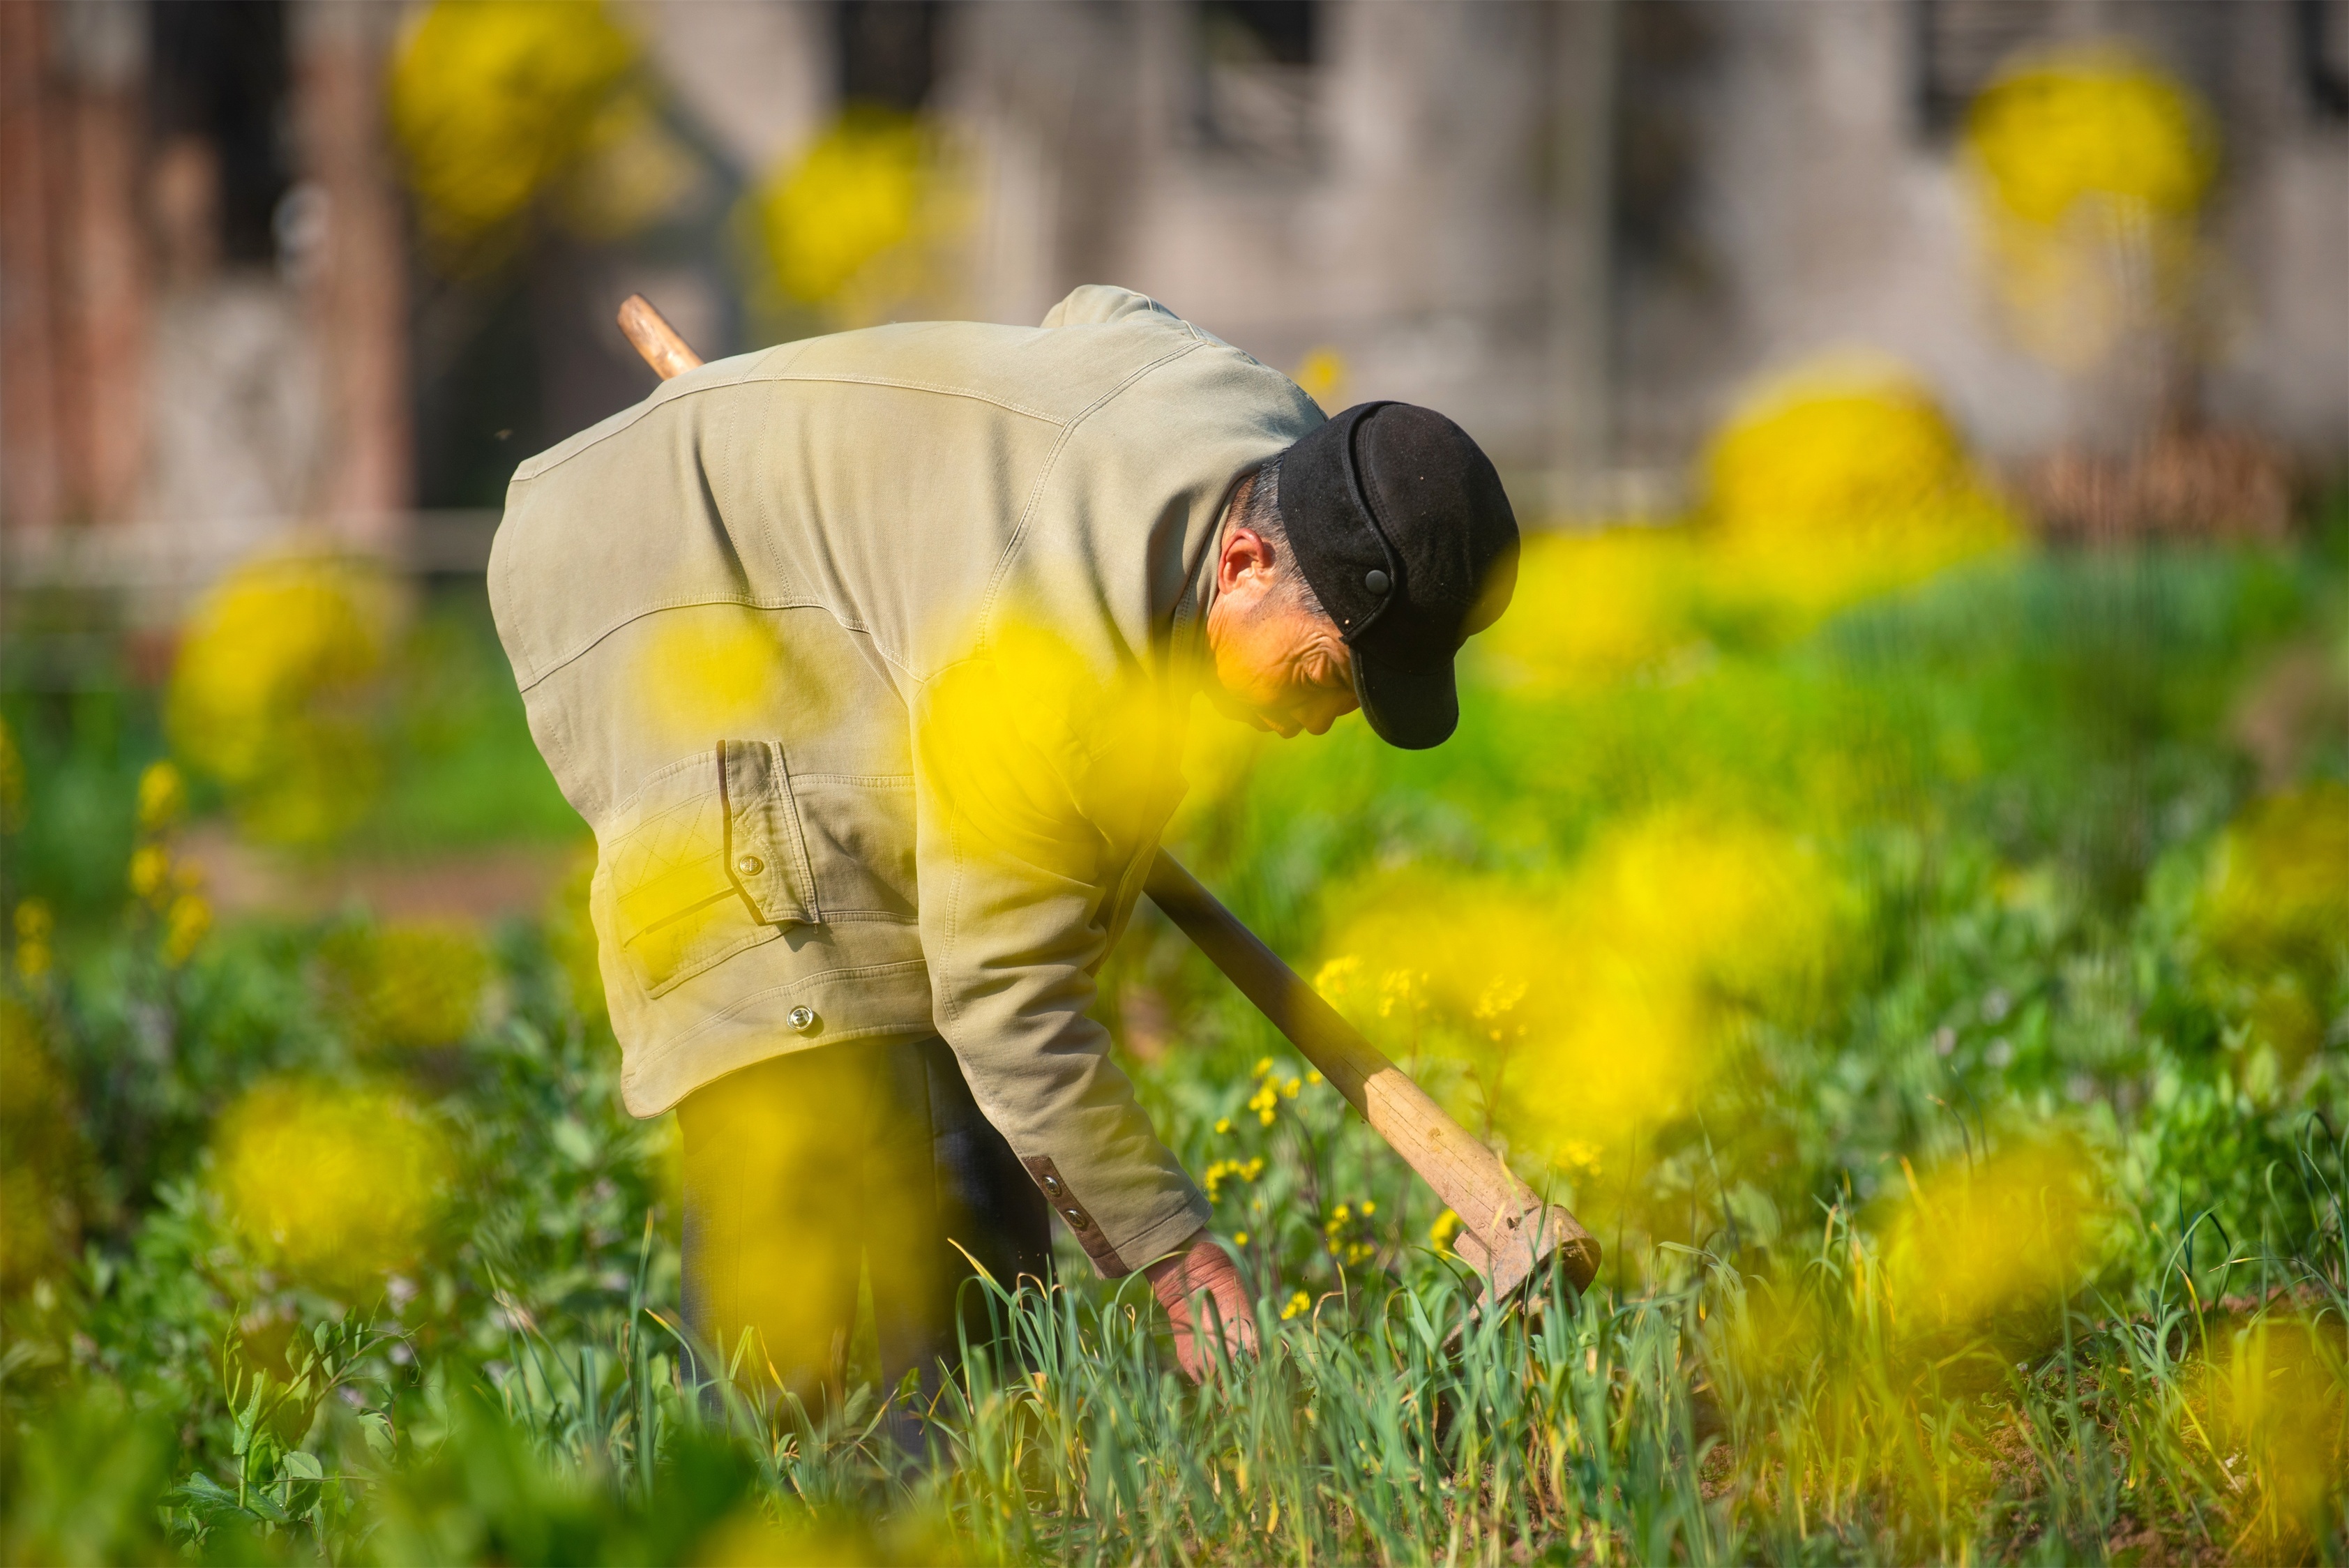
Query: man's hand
x=1203 y=1269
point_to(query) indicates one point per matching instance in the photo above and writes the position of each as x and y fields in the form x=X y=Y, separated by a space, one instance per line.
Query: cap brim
x=1411 y=708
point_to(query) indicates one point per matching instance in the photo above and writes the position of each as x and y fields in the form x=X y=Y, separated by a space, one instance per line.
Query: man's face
x=1279 y=666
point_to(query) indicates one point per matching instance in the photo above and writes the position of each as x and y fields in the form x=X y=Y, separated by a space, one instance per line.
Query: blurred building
x=1578 y=227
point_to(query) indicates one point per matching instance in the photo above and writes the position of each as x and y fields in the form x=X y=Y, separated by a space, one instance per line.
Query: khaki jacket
x=867 y=658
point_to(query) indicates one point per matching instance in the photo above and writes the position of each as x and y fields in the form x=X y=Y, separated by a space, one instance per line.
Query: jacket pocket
x=706 y=861
x=859 y=832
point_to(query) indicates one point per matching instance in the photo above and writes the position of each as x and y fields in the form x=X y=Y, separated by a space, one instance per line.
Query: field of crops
x=1932 y=989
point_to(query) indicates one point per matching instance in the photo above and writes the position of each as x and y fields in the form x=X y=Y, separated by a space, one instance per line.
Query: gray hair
x=1257 y=510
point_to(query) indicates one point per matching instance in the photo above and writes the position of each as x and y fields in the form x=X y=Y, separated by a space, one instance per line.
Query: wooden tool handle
x=655 y=339
x=1504 y=1230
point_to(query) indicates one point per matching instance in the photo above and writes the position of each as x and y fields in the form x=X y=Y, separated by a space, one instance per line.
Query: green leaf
x=303 y=1466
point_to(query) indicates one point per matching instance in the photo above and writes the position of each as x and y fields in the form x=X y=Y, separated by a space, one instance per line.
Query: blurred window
x=1254 y=95
x=1961 y=44
x=2322 y=32
x=218 y=83
x=888 y=51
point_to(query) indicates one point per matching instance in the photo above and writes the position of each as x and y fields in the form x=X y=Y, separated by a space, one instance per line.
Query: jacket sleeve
x=1019 y=882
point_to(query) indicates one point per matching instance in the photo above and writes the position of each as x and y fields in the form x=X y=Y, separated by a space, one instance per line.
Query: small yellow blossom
x=162 y=799
x=185 y=926
x=1440 y=1234
x=1263 y=1066
x=1223 y=1125
x=34 y=926
x=1322 y=375
x=337 y=1185
x=1288 y=1090
x=1239 y=1238
x=151 y=871
x=1299 y=1302
x=1314 y=1078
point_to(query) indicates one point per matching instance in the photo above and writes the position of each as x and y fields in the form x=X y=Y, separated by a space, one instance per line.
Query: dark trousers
x=802 y=1168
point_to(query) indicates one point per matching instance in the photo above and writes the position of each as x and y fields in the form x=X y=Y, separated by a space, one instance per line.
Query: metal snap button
x=1074 y=1216
x=1052 y=1186
x=750 y=866
x=1378 y=582
x=803 y=1018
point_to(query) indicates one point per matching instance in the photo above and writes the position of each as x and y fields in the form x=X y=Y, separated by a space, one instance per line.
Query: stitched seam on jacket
x=742 y=601
x=661 y=397
x=754 y=376
x=939 y=388
x=1044 y=476
x=678 y=1041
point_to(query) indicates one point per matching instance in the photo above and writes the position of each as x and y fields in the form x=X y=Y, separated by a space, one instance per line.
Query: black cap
x=1402 y=529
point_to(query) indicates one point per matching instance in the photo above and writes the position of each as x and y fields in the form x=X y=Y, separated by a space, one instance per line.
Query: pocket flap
x=767 y=857
x=699 y=870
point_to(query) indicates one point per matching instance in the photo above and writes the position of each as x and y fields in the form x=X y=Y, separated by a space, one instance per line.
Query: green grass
x=1834 y=1325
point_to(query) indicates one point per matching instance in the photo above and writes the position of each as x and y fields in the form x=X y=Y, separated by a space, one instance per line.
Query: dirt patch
x=477 y=885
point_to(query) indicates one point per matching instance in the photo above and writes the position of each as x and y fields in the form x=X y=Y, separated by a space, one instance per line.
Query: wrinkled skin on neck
x=1278 y=665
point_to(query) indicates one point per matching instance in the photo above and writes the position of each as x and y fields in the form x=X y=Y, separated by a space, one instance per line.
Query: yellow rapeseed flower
x=185 y=924
x=1836 y=479
x=2279 y=894
x=1992 y=1247
x=151 y=871
x=162 y=799
x=1323 y=375
x=1590 y=609
x=2091 y=122
x=860 y=223
x=408 y=986
x=34 y=926
x=490 y=99
x=335 y=1185
x=266 y=695
x=2092 y=167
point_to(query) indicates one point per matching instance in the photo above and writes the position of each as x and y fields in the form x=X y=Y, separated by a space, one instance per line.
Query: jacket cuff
x=1113 y=1259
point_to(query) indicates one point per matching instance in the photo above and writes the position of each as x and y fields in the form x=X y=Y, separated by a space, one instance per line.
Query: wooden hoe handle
x=1506 y=1232
x=655 y=339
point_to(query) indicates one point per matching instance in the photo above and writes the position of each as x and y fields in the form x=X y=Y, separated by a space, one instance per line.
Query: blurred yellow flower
x=409 y=986
x=1296 y=1305
x=267 y=692
x=713 y=671
x=1590 y=1003
x=2279 y=1390
x=1591 y=608
x=185 y=924
x=1440 y=1234
x=1839 y=479
x=2279 y=890
x=1993 y=1247
x=490 y=99
x=337 y=1185
x=34 y=926
x=151 y=870
x=856 y=223
x=2091 y=165
x=162 y=799
x=1324 y=375
x=2091 y=122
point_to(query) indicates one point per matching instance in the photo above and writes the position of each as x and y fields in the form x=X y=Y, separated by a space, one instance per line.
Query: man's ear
x=1242 y=551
